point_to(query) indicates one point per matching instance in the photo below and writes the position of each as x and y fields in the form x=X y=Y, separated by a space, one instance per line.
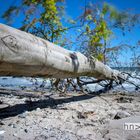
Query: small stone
x=38 y=109
x=81 y=115
x=124 y=100
x=25 y=130
x=41 y=137
x=15 y=134
x=22 y=116
x=1 y=123
x=17 y=122
x=3 y=106
x=12 y=125
x=2 y=132
x=122 y=114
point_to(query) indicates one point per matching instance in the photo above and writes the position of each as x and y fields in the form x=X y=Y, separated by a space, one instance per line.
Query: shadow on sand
x=51 y=102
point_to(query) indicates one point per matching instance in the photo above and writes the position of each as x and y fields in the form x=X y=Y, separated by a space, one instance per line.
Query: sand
x=74 y=116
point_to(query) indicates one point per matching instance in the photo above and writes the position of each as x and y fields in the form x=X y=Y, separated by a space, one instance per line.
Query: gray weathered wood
x=22 y=54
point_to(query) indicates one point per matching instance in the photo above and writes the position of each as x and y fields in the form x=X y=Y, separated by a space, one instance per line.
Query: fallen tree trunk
x=22 y=54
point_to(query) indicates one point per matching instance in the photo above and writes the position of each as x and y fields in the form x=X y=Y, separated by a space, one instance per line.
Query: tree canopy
x=95 y=27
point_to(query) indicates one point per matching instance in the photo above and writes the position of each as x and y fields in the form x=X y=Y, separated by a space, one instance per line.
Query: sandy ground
x=75 y=116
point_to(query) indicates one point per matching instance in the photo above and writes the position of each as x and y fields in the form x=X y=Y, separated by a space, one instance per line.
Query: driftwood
x=22 y=54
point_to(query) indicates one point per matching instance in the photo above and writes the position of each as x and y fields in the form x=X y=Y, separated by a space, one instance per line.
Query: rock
x=41 y=137
x=115 y=130
x=124 y=100
x=2 y=132
x=25 y=130
x=23 y=115
x=121 y=114
x=1 y=102
x=4 y=78
x=81 y=115
x=12 y=125
x=15 y=134
x=3 y=106
x=38 y=109
x=1 y=123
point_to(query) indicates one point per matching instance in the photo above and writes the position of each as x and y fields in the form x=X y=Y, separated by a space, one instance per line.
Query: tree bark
x=22 y=54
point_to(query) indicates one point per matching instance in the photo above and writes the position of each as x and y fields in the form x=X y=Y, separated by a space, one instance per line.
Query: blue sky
x=74 y=9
